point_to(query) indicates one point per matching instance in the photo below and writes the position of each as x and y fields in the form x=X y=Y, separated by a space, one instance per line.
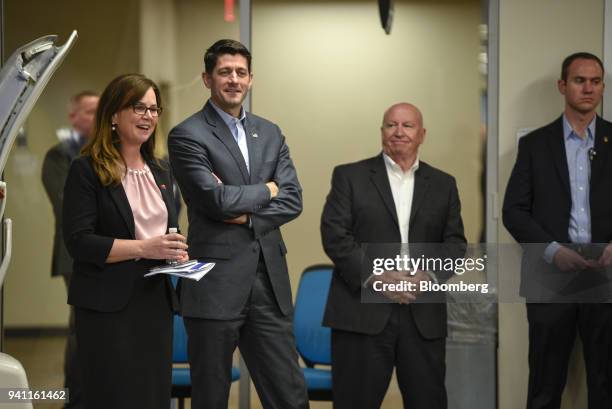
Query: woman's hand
x=166 y=247
x=170 y=246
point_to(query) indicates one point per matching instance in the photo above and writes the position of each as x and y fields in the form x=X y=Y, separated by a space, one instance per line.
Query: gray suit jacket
x=54 y=173
x=202 y=145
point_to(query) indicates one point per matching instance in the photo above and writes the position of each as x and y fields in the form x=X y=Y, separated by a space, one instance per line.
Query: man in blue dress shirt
x=558 y=205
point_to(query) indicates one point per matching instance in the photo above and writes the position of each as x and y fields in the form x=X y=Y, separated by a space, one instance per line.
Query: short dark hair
x=578 y=56
x=222 y=47
x=76 y=99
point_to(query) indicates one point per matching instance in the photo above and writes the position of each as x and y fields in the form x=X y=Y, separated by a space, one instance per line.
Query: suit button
x=255 y=248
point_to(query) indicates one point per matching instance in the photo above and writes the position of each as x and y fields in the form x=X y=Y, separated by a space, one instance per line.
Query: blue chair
x=181 y=378
x=313 y=341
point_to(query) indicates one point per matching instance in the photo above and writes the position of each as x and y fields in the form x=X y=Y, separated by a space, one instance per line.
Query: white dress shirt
x=402 y=188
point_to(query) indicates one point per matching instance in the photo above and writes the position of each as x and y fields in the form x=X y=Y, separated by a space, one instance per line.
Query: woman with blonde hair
x=118 y=207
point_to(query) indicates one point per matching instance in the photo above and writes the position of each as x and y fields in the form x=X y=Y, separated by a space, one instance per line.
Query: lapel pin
x=605 y=139
x=163 y=187
x=254 y=135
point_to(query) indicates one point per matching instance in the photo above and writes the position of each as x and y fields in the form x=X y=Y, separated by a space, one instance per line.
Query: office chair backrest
x=179 y=341
x=313 y=341
x=179 y=337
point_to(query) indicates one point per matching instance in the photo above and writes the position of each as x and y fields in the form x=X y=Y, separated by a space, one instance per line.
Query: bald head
x=402 y=133
x=403 y=106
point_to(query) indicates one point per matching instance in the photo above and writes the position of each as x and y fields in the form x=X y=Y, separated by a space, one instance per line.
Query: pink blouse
x=148 y=207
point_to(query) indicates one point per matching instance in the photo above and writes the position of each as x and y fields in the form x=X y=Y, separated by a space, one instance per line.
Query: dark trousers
x=362 y=365
x=72 y=376
x=265 y=339
x=552 y=330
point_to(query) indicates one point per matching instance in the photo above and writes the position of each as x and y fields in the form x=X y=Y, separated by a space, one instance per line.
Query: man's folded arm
x=194 y=174
x=287 y=205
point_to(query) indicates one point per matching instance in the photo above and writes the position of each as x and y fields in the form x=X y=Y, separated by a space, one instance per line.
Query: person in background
x=118 y=207
x=558 y=201
x=81 y=114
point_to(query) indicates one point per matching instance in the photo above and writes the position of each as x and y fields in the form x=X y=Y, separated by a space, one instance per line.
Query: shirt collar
x=568 y=130
x=227 y=118
x=76 y=137
x=394 y=167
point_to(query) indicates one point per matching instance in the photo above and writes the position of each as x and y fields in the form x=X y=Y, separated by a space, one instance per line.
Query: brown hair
x=103 y=148
x=222 y=47
x=578 y=56
x=76 y=99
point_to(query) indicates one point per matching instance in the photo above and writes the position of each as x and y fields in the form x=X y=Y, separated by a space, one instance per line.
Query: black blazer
x=538 y=199
x=95 y=215
x=202 y=145
x=54 y=173
x=360 y=209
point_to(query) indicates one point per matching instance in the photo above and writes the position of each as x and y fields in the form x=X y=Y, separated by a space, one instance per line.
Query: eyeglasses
x=141 y=109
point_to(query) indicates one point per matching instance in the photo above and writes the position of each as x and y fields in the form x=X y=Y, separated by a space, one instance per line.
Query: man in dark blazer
x=82 y=111
x=558 y=202
x=391 y=198
x=240 y=186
